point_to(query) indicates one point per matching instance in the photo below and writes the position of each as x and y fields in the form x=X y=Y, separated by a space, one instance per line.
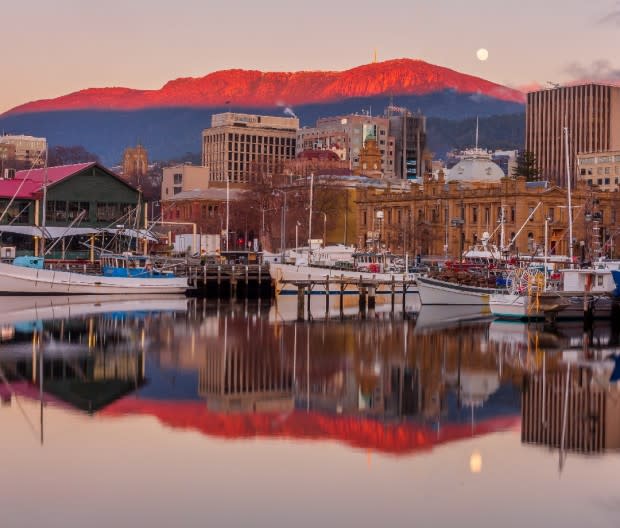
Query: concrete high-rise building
x=591 y=112
x=241 y=148
x=409 y=132
x=27 y=149
x=346 y=136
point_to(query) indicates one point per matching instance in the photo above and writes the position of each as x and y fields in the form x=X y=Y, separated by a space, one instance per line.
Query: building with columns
x=442 y=219
x=242 y=148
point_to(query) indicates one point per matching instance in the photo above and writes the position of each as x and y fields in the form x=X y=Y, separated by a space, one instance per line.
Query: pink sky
x=53 y=48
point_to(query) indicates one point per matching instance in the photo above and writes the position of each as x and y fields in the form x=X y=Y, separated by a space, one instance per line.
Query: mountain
x=169 y=122
x=256 y=89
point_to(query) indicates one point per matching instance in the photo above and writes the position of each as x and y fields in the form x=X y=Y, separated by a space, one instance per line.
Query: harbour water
x=182 y=412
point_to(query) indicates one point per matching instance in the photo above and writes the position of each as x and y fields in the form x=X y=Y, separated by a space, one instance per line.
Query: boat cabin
x=127 y=265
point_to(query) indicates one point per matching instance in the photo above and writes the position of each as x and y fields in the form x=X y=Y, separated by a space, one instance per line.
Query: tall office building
x=241 y=147
x=591 y=112
x=409 y=132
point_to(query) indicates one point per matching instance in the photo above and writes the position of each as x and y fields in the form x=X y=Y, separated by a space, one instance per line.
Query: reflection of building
x=241 y=148
x=590 y=111
x=245 y=379
x=88 y=367
x=600 y=168
x=593 y=416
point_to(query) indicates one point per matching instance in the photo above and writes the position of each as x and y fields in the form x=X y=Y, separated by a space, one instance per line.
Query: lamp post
x=282 y=226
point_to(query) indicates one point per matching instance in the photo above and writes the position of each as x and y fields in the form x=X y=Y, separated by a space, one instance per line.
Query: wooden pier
x=229 y=281
x=366 y=289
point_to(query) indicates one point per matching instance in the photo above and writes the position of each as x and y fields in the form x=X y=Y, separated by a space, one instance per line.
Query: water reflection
x=389 y=382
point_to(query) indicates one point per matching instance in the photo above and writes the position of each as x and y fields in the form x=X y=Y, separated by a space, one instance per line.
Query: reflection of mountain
x=299 y=425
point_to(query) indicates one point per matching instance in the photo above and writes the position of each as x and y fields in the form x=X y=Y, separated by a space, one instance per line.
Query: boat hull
x=288 y=272
x=16 y=280
x=433 y=291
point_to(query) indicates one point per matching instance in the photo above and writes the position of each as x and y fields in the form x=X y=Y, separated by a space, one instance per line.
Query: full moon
x=482 y=54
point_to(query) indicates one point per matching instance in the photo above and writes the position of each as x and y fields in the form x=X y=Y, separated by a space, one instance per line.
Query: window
x=607 y=181
x=551 y=214
x=512 y=214
x=178 y=178
x=474 y=215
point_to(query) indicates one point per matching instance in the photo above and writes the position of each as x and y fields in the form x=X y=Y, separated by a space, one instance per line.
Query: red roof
x=35 y=178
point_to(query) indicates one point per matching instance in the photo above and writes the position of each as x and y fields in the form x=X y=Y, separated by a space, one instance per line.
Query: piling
x=327 y=296
x=341 y=300
x=300 y=302
x=362 y=299
x=372 y=297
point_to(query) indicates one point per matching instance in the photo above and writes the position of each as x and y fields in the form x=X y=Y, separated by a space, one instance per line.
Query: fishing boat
x=435 y=291
x=359 y=267
x=121 y=274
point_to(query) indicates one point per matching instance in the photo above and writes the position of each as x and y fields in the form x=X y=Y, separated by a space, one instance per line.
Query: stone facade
x=601 y=169
x=135 y=163
x=442 y=219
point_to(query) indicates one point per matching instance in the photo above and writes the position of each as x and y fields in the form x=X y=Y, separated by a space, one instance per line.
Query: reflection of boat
x=446 y=316
x=434 y=291
x=27 y=276
x=21 y=308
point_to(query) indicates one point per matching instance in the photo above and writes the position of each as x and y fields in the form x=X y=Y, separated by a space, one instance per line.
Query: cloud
x=599 y=70
x=612 y=18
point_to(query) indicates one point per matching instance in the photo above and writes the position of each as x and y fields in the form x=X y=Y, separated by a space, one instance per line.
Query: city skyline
x=146 y=44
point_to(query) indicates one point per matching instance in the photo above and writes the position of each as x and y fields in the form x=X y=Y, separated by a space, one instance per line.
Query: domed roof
x=476 y=165
x=318 y=154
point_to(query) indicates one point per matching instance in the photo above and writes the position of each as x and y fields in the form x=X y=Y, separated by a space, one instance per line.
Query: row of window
x=250 y=139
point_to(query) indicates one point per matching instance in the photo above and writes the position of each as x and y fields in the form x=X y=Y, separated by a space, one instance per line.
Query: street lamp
x=282 y=226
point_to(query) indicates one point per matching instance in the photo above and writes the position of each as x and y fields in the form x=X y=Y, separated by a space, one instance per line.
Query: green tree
x=527 y=165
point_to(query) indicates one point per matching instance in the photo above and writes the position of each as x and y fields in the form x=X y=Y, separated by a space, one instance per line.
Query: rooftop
x=215 y=194
x=28 y=183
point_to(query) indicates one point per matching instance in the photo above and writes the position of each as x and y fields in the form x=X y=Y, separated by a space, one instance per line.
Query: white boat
x=531 y=297
x=25 y=280
x=434 y=291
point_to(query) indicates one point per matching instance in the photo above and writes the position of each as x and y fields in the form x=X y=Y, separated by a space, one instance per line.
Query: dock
x=229 y=281
x=366 y=289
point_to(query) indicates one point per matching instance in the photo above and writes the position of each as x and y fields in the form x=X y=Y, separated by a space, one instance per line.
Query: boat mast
x=570 y=198
x=44 y=207
x=310 y=213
